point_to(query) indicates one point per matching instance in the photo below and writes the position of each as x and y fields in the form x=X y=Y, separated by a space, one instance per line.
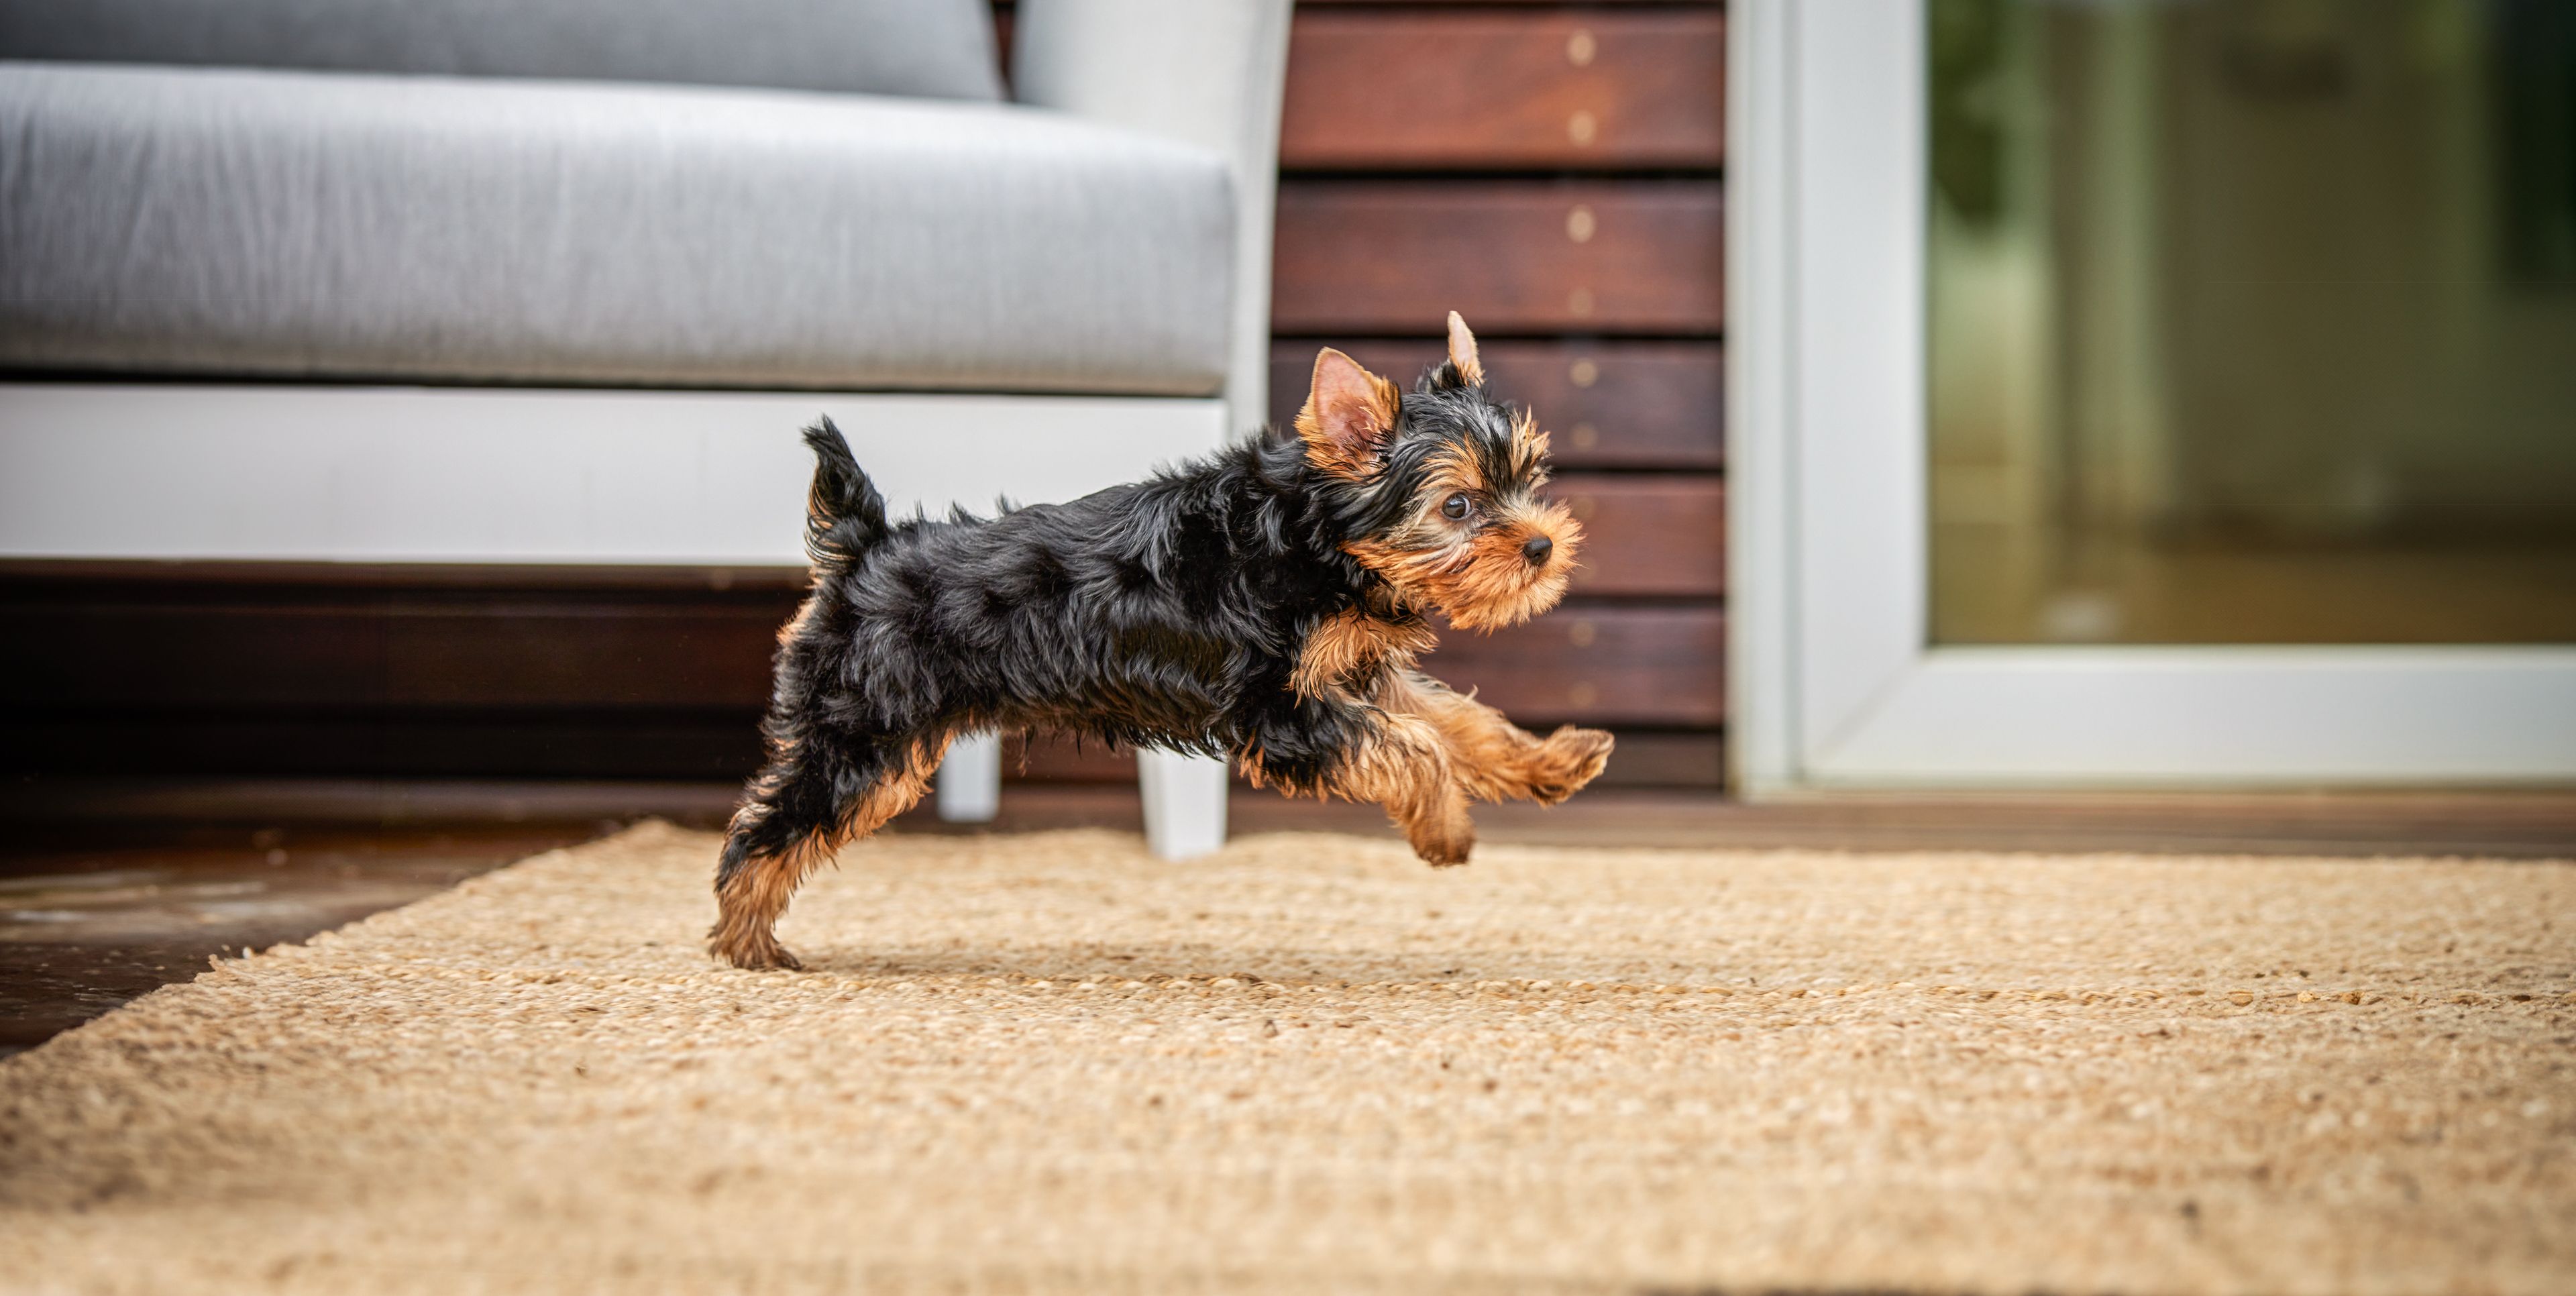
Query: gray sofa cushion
x=938 y=48
x=235 y=222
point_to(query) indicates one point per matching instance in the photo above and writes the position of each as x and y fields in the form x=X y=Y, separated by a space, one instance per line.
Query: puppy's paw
x=1569 y=759
x=1443 y=840
x=1444 y=852
x=760 y=953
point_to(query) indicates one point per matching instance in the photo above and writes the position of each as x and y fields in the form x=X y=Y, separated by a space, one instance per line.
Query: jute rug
x=1050 y=1062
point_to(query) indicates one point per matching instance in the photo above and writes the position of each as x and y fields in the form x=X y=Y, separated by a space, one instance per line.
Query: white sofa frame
x=289 y=472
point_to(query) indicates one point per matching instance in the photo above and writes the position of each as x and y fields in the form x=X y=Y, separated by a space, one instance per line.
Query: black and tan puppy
x=1265 y=604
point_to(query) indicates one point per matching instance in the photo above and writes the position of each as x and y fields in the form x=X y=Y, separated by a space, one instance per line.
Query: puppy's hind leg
x=800 y=810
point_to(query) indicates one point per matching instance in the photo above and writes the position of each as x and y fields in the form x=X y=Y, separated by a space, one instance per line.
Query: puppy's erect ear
x=1349 y=412
x=1462 y=353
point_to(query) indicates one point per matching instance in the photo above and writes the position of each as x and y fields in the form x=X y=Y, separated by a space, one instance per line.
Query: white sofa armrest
x=1205 y=72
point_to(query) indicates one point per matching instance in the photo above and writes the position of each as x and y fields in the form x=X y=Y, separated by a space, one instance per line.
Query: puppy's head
x=1437 y=489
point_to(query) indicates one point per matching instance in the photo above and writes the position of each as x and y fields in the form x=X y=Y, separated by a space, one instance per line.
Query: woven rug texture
x=1053 y=1063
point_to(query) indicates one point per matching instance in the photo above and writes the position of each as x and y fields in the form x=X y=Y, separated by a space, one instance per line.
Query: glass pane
x=2253 y=321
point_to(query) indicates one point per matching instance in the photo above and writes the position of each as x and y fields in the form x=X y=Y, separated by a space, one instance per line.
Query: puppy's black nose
x=1537 y=549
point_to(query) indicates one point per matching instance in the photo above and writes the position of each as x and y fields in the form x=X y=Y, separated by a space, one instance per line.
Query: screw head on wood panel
x=1579 y=302
x=1584 y=435
x=1580 y=48
x=1583 y=694
x=1581 y=634
x=1583 y=507
x=1584 y=373
x=1582 y=126
x=1581 y=224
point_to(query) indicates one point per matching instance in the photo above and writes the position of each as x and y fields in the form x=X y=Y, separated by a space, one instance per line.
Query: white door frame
x=1833 y=682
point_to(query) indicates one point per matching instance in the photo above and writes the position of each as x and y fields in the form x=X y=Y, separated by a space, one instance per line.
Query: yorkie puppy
x=1264 y=604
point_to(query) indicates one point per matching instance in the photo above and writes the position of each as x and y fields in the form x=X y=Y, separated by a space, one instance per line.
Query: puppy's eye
x=1455 y=507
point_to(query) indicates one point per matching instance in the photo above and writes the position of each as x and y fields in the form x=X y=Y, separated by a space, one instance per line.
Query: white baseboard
x=475 y=475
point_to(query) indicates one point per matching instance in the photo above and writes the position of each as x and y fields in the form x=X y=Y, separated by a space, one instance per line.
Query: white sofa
x=556 y=281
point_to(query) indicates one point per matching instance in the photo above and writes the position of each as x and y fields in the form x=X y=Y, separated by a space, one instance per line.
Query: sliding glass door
x=2136 y=392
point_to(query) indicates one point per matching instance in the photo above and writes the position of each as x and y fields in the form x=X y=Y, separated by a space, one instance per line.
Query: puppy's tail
x=844 y=515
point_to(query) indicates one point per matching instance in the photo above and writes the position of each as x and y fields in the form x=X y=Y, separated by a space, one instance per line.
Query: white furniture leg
x=1184 y=803
x=970 y=779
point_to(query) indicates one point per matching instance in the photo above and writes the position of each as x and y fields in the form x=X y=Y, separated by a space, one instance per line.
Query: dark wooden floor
x=92 y=915
x=108 y=890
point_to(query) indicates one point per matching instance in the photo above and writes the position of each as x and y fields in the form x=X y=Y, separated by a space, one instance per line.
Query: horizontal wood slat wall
x=1649 y=758
x=1606 y=404
x=1555 y=173
x=1596 y=664
x=500 y=673
x=578 y=650
x=568 y=653
x=1548 y=89
x=1304 y=6
x=484 y=744
x=1647 y=535
x=1512 y=256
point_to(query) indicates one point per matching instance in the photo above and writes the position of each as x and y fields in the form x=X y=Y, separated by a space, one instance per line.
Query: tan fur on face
x=1529 y=447
x=1352 y=643
x=1348 y=414
x=753 y=899
x=1477 y=575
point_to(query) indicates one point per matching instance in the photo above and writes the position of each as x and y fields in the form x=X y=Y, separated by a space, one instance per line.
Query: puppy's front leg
x=1361 y=753
x=1404 y=766
x=1490 y=756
